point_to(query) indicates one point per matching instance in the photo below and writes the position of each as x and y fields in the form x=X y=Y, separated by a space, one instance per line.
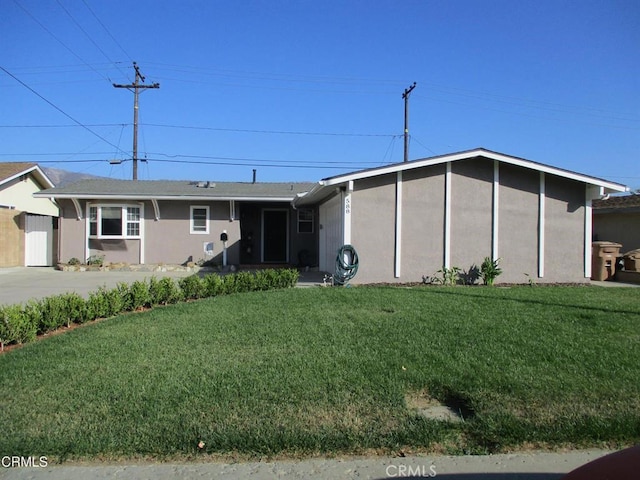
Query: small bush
x=52 y=310
x=97 y=260
x=163 y=291
x=489 y=270
x=19 y=325
x=98 y=304
x=73 y=261
x=213 y=285
x=75 y=308
x=192 y=287
x=139 y=295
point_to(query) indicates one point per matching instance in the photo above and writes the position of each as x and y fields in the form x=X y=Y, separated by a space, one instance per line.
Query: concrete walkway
x=520 y=466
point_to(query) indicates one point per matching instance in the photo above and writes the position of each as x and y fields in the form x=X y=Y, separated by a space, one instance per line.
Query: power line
x=58 y=40
x=88 y=36
x=106 y=30
x=58 y=108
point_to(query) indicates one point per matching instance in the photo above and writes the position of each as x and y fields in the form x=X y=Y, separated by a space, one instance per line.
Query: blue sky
x=302 y=90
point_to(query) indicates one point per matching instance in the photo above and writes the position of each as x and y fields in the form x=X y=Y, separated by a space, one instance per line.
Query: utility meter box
x=603 y=260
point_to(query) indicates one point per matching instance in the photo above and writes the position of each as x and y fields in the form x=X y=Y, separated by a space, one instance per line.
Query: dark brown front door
x=275 y=236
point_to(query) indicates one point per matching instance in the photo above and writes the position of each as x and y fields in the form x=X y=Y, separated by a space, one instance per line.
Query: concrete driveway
x=20 y=284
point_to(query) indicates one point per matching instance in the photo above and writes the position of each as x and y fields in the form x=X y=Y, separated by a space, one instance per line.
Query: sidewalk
x=520 y=466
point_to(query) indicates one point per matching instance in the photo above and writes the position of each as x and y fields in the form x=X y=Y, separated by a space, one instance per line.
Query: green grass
x=324 y=371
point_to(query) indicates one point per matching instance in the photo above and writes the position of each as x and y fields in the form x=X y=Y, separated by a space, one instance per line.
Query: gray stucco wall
x=518 y=223
x=71 y=232
x=372 y=227
x=471 y=233
x=471 y=212
x=623 y=228
x=423 y=222
x=564 y=230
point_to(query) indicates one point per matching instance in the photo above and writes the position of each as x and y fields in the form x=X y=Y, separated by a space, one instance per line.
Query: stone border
x=125 y=267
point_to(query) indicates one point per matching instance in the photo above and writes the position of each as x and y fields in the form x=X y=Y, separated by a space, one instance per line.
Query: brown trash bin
x=632 y=261
x=603 y=260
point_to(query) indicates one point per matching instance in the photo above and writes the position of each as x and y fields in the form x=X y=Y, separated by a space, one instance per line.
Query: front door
x=275 y=236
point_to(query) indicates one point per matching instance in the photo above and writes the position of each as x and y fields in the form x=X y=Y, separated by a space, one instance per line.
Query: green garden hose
x=346 y=265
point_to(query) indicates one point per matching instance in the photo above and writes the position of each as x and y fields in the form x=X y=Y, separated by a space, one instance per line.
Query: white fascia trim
x=398 y=225
x=187 y=198
x=496 y=210
x=590 y=193
x=447 y=216
x=43 y=177
x=541 y=216
x=613 y=187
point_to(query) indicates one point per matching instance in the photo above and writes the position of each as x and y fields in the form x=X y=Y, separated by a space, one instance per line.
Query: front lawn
x=331 y=370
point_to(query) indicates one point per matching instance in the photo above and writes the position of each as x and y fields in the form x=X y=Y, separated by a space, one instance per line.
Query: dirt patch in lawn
x=421 y=403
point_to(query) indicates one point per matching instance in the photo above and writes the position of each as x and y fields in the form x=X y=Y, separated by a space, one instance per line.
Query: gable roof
x=12 y=170
x=109 y=189
x=325 y=186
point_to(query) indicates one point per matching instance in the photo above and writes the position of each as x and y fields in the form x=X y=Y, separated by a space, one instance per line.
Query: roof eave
x=115 y=196
x=40 y=175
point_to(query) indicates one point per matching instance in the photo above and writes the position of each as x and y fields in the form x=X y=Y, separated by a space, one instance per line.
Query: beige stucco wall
x=11 y=238
x=423 y=222
x=372 y=227
x=168 y=240
x=518 y=223
x=19 y=194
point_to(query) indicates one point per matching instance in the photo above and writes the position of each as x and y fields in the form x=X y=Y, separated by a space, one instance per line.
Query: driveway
x=20 y=284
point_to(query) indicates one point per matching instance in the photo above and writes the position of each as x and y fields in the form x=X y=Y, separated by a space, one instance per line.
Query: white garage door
x=331 y=233
x=38 y=241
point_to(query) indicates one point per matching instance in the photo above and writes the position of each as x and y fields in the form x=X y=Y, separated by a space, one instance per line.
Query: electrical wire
x=107 y=30
x=56 y=107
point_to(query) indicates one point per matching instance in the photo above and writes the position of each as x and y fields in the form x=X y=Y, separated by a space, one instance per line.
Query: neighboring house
x=409 y=220
x=617 y=219
x=406 y=220
x=27 y=224
x=173 y=222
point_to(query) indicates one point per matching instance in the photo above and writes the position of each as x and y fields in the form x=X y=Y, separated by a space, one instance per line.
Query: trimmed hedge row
x=23 y=323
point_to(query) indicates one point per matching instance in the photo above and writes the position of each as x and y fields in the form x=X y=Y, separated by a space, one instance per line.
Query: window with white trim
x=199 y=219
x=305 y=220
x=114 y=221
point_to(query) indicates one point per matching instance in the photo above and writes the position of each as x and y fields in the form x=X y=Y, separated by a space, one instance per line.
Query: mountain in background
x=60 y=177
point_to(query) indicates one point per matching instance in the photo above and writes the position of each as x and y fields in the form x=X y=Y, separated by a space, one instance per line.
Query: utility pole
x=405 y=96
x=135 y=88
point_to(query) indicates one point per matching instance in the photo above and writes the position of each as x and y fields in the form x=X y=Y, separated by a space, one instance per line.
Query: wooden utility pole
x=405 y=96
x=135 y=88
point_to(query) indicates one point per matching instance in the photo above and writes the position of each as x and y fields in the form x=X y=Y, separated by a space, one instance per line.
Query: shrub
x=489 y=270
x=116 y=299
x=163 y=291
x=192 y=287
x=213 y=285
x=20 y=326
x=73 y=261
x=75 y=308
x=139 y=295
x=97 y=260
x=52 y=310
x=448 y=277
x=98 y=304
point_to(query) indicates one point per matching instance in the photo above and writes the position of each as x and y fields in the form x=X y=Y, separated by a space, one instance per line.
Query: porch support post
x=447 y=216
x=541 y=215
x=86 y=231
x=496 y=210
x=398 y=225
x=232 y=210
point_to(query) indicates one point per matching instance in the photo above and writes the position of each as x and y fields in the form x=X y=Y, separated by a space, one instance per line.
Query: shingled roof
x=11 y=170
x=177 y=189
x=618 y=202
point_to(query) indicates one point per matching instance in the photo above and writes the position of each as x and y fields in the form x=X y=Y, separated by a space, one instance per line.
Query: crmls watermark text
x=398 y=471
x=16 y=461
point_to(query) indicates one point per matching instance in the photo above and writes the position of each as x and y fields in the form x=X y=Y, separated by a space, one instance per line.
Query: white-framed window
x=199 y=219
x=114 y=221
x=305 y=220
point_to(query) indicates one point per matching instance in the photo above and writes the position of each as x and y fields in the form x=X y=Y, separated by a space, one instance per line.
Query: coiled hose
x=346 y=265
